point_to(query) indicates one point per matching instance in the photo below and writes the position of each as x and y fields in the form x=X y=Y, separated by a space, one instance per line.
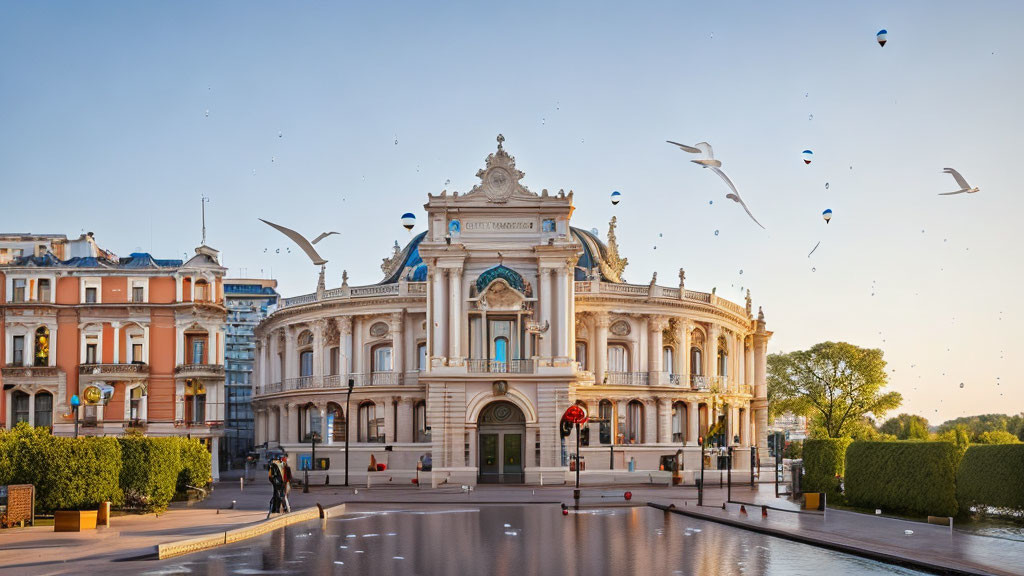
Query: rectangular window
x=90 y=295
x=20 y=406
x=136 y=404
x=90 y=353
x=137 y=294
x=19 y=351
x=382 y=359
x=617 y=359
x=199 y=351
x=44 y=290
x=335 y=360
x=421 y=357
x=18 y=293
x=137 y=357
x=581 y=354
x=44 y=409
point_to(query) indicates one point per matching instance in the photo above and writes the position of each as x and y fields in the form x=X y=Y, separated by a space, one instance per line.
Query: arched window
x=634 y=433
x=678 y=422
x=723 y=359
x=421 y=356
x=501 y=349
x=310 y=422
x=336 y=429
x=419 y=420
x=666 y=359
x=44 y=409
x=135 y=404
x=42 y=349
x=20 y=406
x=696 y=362
x=306 y=363
x=371 y=428
x=381 y=358
x=202 y=291
x=605 y=414
x=618 y=358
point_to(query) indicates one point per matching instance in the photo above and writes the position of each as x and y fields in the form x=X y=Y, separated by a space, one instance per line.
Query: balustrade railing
x=343 y=292
x=483 y=365
x=626 y=378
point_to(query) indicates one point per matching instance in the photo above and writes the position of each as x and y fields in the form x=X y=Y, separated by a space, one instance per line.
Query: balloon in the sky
x=408 y=220
x=808 y=155
x=594 y=231
x=616 y=196
x=881 y=36
x=827 y=215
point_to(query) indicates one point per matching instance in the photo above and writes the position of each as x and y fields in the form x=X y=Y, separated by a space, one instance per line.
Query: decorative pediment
x=500 y=296
x=499 y=180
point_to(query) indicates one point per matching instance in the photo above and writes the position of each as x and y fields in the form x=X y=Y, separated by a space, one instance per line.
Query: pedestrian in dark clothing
x=276 y=477
x=287 y=475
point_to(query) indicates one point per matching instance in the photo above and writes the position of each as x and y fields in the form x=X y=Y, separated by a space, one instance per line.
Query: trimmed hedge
x=916 y=478
x=991 y=475
x=824 y=462
x=149 y=476
x=80 y=473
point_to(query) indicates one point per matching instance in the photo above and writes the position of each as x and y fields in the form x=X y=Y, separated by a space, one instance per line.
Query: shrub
x=195 y=464
x=992 y=476
x=149 y=477
x=997 y=437
x=824 y=461
x=910 y=477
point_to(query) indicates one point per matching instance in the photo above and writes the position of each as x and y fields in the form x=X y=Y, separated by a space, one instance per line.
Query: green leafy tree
x=997 y=437
x=906 y=427
x=978 y=425
x=837 y=384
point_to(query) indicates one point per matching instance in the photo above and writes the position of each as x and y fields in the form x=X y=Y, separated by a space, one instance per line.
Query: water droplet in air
x=741 y=271
x=826 y=185
x=396 y=141
x=280 y=134
x=961 y=384
x=810 y=117
x=716 y=232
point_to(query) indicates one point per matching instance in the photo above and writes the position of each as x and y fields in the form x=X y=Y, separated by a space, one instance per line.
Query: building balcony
x=212 y=371
x=626 y=378
x=337 y=382
x=26 y=372
x=134 y=369
x=485 y=366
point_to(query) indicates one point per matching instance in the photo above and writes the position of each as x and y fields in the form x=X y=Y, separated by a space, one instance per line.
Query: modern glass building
x=248 y=302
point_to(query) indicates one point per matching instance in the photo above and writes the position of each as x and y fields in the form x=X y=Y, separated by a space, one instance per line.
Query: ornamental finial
x=501 y=139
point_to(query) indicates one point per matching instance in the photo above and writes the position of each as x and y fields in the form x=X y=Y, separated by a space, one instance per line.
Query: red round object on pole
x=628 y=495
x=575 y=414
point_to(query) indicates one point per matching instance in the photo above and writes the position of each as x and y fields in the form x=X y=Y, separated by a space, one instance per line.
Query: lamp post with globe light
x=75 y=403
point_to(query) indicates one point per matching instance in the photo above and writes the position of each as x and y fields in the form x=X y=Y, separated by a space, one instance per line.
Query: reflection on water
x=516 y=540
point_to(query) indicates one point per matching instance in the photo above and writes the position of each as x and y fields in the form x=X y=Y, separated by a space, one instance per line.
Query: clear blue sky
x=104 y=128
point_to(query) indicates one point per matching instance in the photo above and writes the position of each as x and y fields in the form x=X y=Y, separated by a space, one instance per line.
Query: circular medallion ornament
x=620 y=328
x=379 y=330
x=498 y=184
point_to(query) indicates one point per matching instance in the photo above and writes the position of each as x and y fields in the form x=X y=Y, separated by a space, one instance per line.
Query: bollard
x=241 y=484
x=233 y=503
x=103 y=515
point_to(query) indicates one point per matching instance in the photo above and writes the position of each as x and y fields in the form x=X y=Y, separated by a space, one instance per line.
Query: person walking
x=286 y=473
x=276 y=476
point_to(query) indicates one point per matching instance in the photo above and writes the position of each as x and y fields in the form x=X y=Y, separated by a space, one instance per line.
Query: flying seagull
x=708 y=161
x=300 y=240
x=964 y=186
x=323 y=235
x=813 y=249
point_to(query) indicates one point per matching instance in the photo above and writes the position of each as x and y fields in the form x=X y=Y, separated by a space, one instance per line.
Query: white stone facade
x=485 y=329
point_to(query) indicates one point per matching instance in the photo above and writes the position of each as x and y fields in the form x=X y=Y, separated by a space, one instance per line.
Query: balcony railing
x=30 y=371
x=483 y=365
x=88 y=369
x=199 y=370
x=626 y=378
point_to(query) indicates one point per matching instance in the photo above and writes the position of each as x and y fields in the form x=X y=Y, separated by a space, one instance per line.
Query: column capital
x=657 y=322
x=344 y=324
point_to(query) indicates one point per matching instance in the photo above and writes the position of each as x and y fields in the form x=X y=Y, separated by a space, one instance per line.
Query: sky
x=118 y=117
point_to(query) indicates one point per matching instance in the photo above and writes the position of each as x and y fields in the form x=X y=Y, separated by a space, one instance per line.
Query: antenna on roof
x=203 y=202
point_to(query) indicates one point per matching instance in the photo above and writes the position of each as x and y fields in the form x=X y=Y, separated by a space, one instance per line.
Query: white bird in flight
x=964 y=186
x=301 y=241
x=324 y=235
x=708 y=161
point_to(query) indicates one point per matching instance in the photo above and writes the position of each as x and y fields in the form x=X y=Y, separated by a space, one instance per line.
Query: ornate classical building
x=485 y=328
x=139 y=340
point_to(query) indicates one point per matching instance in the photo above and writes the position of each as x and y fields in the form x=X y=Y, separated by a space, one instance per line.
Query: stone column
x=687 y=341
x=545 y=313
x=692 y=422
x=712 y=351
x=388 y=405
x=565 y=324
x=404 y=427
x=439 y=340
x=760 y=404
x=117 y=347
x=664 y=420
x=324 y=432
x=601 y=323
x=655 y=343
x=318 y=349
x=284 y=413
x=215 y=458
x=455 y=313
x=293 y=423
x=345 y=349
x=650 y=421
x=291 y=360
x=570 y=287
x=748 y=368
x=398 y=346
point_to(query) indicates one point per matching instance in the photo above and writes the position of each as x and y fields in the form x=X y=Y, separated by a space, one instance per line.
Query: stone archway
x=502 y=434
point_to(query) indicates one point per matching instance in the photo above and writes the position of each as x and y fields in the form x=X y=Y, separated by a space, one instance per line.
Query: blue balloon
x=882 y=36
x=616 y=196
x=827 y=215
x=408 y=220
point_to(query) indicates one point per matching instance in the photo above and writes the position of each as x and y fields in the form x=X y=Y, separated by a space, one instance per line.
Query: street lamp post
x=348 y=416
x=75 y=403
x=314 y=437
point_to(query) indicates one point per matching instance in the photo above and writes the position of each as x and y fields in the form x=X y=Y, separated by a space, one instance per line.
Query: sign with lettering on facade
x=503 y=225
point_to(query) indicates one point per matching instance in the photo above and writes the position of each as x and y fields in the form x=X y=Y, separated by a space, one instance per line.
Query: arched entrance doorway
x=501 y=427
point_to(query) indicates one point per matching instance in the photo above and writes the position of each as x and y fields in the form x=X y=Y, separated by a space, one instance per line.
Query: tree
x=906 y=427
x=835 y=383
x=997 y=437
x=978 y=425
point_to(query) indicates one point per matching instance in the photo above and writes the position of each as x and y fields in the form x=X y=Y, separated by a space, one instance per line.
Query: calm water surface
x=517 y=540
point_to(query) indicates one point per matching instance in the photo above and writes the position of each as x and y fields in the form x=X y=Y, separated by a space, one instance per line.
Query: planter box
x=74 y=520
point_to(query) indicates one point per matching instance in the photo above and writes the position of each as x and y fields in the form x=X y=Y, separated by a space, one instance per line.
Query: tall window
x=44 y=409
x=370 y=427
x=201 y=292
x=137 y=294
x=618 y=359
x=18 y=293
x=137 y=356
x=335 y=360
x=19 y=406
x=500 y=349
x=135 y=408
x=195 y=402
x=198 y=350
x=666 y=359
x=695 y=362
x=306 y=363
x=18 y=348
x=419 y=421
x=44 y=290
x=336 y=423
x=605 y=413
x=381 y=359
x=42 y=348
x=90 y=352
x=90 y=295
x=723 y=361
x=312 y=421
x=421 y=357
x=634 y=422
x=581 y=354
x=678 y=422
